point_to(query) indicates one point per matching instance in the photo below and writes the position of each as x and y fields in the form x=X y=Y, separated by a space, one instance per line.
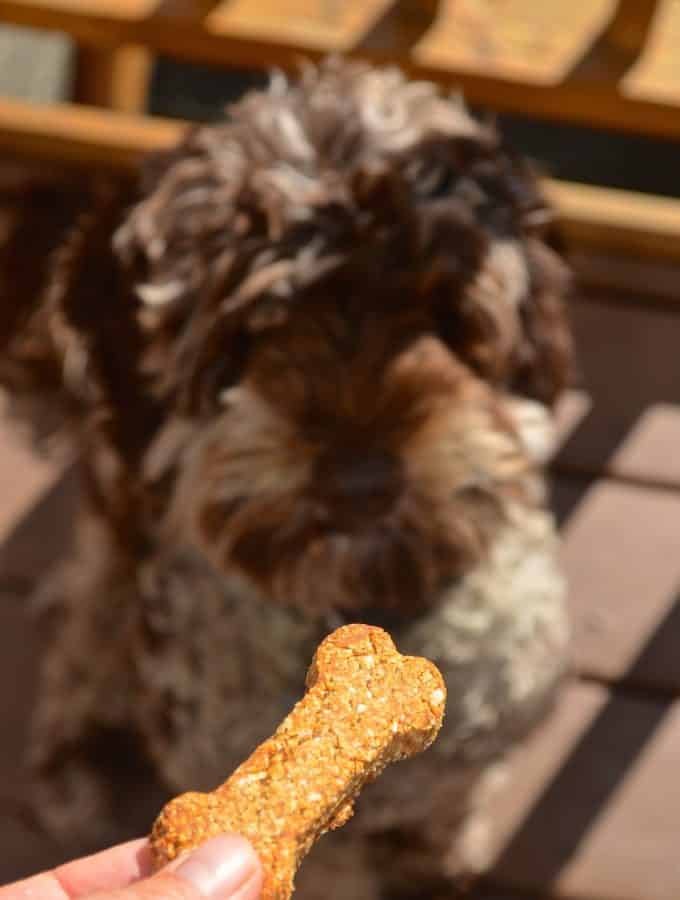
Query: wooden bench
x=592 y=62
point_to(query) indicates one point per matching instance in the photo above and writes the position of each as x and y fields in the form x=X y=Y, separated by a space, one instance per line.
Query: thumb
x=224 y=868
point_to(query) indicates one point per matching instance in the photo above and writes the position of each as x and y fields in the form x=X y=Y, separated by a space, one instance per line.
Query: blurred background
x=591 y=90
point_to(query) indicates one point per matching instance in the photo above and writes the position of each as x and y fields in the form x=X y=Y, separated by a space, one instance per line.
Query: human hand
x=224 y=868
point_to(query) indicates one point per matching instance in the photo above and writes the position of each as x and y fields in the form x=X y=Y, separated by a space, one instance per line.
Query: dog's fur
x=309 y=363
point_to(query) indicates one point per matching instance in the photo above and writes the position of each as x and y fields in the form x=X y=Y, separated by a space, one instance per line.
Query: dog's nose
x=356 y=485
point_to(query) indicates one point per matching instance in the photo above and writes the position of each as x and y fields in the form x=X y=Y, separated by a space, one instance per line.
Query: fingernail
x=221 y=866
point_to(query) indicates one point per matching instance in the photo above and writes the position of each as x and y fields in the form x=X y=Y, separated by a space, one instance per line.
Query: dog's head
x=341 y=288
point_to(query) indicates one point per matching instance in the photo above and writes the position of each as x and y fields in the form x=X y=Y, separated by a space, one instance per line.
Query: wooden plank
x=24 y=476
x=646 y=452
x=326 y=25
x=617 y=221
x=651 y=449
x=656 y=73
x=234 y=35
x=655 y=276
x=592 y=805
x=596 y=103
x=230 y=32
x=37 y=498
x=73 y=16
x=627 y=356
x=571 y=411
x=620 y=555
x=27 y=850
x=65 y=133
x=527 y=41
x=41 y=533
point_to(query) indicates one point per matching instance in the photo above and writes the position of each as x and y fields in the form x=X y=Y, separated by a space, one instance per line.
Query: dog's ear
x=544 y=360
x=69 y=339
x=543 y=365
x=95 y=325
x=189 y=246
x=37 y=215
x=492 y=279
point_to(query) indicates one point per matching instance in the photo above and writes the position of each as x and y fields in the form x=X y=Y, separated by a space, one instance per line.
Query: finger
x=114 y=868
x=110 y=869
x=224 y=868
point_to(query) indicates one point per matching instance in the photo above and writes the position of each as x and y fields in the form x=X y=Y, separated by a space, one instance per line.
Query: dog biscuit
x=366 y=706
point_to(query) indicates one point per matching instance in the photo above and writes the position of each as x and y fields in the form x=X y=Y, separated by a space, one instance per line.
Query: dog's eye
x=438 y=181
x=211 y=378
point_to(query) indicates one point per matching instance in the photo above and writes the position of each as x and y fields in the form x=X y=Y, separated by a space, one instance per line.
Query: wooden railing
x=586 y=61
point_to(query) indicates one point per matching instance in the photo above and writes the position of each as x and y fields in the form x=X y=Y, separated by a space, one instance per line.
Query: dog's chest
x=499 y=637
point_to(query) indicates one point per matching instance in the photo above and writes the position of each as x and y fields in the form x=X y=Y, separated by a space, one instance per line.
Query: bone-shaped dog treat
x=366 y=706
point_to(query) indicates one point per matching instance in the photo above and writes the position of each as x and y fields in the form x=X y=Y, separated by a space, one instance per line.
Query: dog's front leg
x=85 y=742
x=216 y=667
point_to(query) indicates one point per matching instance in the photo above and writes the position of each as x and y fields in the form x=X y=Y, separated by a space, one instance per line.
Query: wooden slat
x=527 y=41
x=105 y=22
x=620 y=556
x=327 y=25
x=627 y=358
x=651 y=449
x=65 y=133
x=27 y=850
x=652 y=277
x=35 y=498
x=596 y=103
x=236 y=34
x=595 y=218
x=644 y=450
x=23 y=477
x=591 y=807
x=656 y=73
x=231 y=32
x=616 y=220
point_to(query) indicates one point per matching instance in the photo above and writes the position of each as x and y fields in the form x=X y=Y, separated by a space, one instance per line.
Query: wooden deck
x=593 y=809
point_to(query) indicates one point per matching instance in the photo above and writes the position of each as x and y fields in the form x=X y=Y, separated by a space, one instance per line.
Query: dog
x=309 y=362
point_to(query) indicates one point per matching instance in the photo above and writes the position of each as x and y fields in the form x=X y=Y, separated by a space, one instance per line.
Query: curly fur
x=309 y=360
